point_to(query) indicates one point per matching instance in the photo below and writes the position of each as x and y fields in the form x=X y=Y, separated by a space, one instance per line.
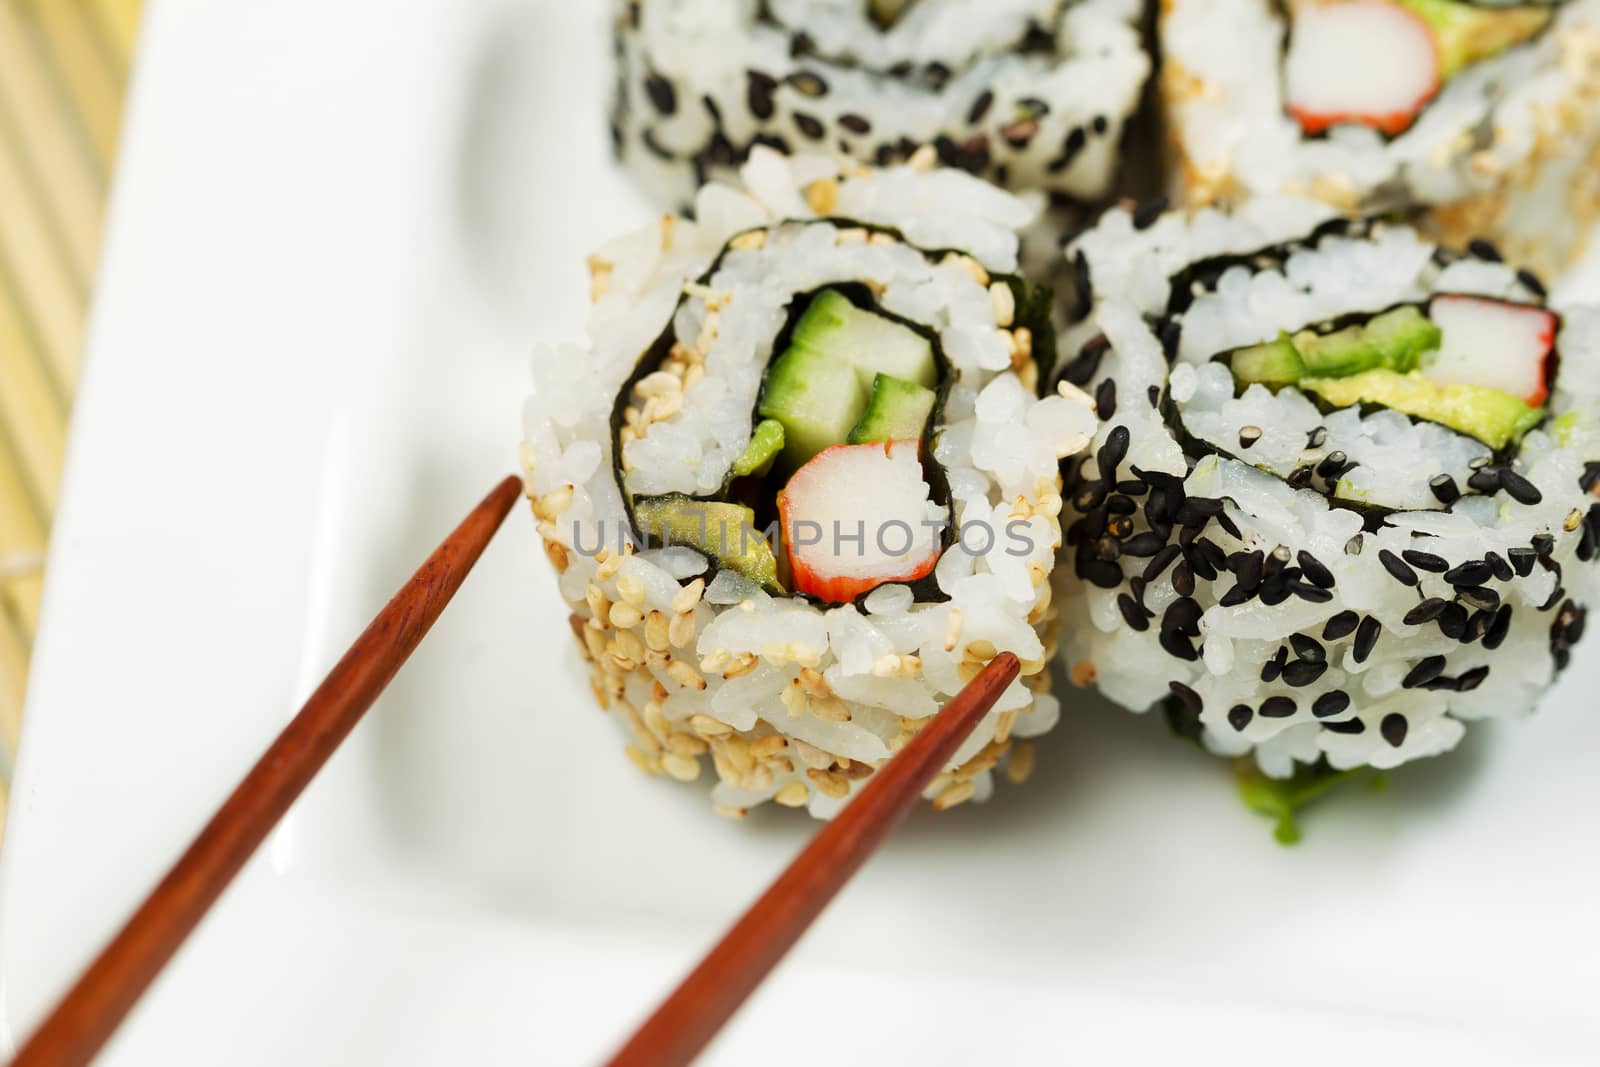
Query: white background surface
x=338 y=229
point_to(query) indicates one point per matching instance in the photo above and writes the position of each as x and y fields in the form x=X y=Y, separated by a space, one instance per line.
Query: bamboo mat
x=63 y=69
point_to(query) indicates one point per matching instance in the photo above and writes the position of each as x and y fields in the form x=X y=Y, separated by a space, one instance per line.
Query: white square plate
x=338 y=229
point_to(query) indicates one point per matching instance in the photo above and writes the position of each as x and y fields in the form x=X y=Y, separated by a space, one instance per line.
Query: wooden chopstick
x=91 y=1011
x=689 y=1018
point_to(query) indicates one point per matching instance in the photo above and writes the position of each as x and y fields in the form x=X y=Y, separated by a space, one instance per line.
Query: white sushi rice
x=1501 y=152
x=1377 y=709
x=790 y=701
x=1030 y=93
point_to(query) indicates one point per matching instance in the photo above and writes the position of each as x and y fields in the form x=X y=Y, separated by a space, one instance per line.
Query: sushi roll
x=1031 y=94
x=799 y=486
x=1485 y=116
x=1343 y=503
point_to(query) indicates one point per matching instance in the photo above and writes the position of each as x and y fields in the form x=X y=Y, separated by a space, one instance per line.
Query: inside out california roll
x=1483 y=112
x=1031 y=94
x=800 y=485
x=1342 y=504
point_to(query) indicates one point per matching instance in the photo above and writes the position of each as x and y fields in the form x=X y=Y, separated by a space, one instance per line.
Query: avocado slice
x=1496 y=418
x=724 y=532
x=897 y=411
x=870 y=343
x=765 y=444
x=816 y=397
x=1466 y=33
x=1271 y=363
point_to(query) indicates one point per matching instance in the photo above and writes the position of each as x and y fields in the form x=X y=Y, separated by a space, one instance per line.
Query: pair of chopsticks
x=90 y=1012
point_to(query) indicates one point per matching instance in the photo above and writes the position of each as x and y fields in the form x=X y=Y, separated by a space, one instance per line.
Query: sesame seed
x=1239 y=716
x=1425 y=671
x=1519 y=488
x=1249 y=435
x=1330 y=703
x=1148 y=212
x=683 y=768
x=1348 y=726
x=1426 y=611
x=1445 y=490
x=1366 y=638
x=1303 y=672
x=1278 y=707
x=1132 y=613
x=1318 y=574
x=1393 y=728
x=1397 y=567
x=1472 y=572
x=1105 y=398
x=1341 y=625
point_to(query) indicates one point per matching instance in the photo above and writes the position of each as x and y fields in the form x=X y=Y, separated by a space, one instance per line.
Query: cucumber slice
x=816 y=397
x=1494 y=417
x=1271 y=363
x=1337 y=355
x=724 y=532
x=765 y=444
x=897 y=411
x=1403 y=334
x=874 y=345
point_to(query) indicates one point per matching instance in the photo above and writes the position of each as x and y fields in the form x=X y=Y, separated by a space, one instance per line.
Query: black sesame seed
x=656 y=148
x=855 y=123
x=1479 y=596
x=809 y=125
x=1522 y=560
x=1272 y=668
x=1132 y=487
x=1300 y=477
x=1183 y=615
x=1315 y=572
x=1397 y=567
x=762 y=86
x=1333 y=464
x=1317 y=438
x=1101 y=124
x=1453 y=622
x=1086 y=363
x=1145 y=545
x=1239 y=716
x=1543 y=544
x=1249 y=435
x=1590 y=477
x=1519 y=488
x=1162 y=560
x=1148 y=212
x=661 y=93
x=1177 y=645
x=1200 y=564
x=1117 y=504
x=1341 y=625
x=1303 y=672
x=1354 y=546
x=1239 y=594
x=1472 y=572
x=1366 y=638
x=1425 y=561
x=1483 y=249
x=1278 y=708
x=1531 y=281
x=1394 y=729
x=1153 y=394
x=980 y=107
x=1308 y=648
x=1485 y=480
x=1132 y=613
x=1472 y=679
x=1229 y=525
x=1183 y=579
x=1108 y=549
x=1310 y=593
x=1113 y=452
x=1498 y=566
x=1105 y=398
x=1189 y=697
x=1330 y=703
x=1425 y=671
x=1352 y=727
x=1426 y=611
x=1445 y=490
x=1099 y=572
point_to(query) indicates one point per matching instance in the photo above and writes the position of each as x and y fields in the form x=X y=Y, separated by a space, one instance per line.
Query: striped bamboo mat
x=63 y=68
